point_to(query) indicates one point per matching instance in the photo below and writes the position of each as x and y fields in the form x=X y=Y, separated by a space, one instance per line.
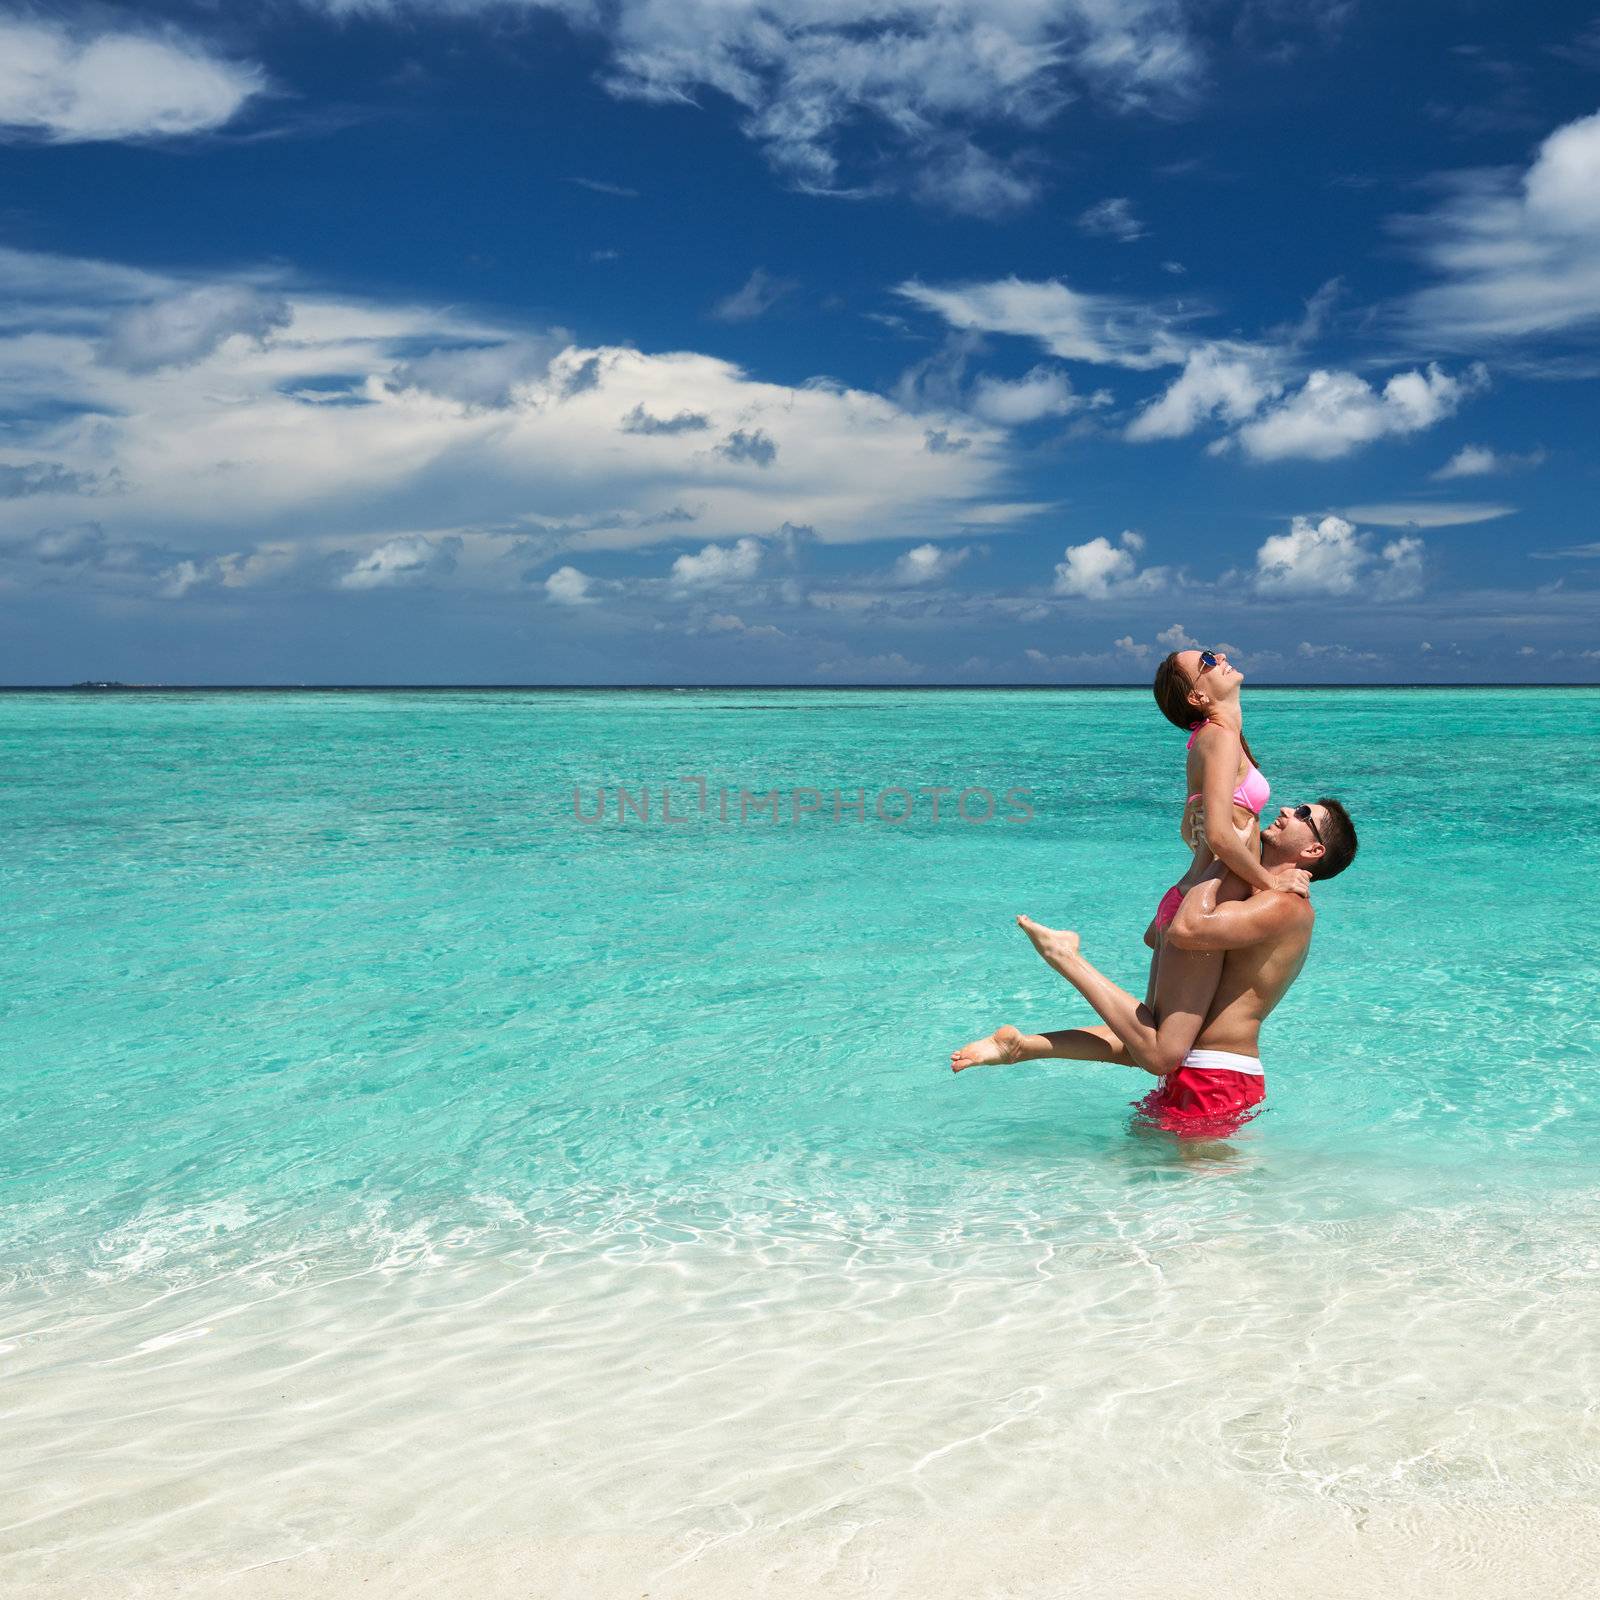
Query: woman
x=1199 y=690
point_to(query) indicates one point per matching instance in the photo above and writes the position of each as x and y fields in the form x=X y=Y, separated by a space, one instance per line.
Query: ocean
x=413 y=1138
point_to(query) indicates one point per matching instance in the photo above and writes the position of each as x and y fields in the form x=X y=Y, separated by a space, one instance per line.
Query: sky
x=810 y=341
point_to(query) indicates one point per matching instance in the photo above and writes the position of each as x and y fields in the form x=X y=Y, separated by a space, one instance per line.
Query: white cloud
x=1076 y=327
x=1331 y=557
x=180 y=330
x=483 y=374
x=1516 y=255
x=1041 y=393
x=567 y=586
x=1333 y=413
x=1100 y=570
x=1426 y=514
x=1176 y=638
x=1478 y=461
x=1112 y=219
x=926 y=563
x=401 y=560
x=356 y=421
x=1129 y=646
x=73 y=86
x=1230 y=381
x=717 y=565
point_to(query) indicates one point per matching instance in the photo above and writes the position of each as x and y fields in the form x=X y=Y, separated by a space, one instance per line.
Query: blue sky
x=813 y=341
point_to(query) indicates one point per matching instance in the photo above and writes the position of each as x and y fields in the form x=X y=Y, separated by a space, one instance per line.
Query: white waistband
x=1223 y=1061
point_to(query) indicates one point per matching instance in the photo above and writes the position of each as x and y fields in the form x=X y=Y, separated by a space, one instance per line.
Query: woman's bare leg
x=1008 y=1045
x=1157 y=1040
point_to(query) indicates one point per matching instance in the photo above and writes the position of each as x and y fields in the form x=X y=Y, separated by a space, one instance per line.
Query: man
x=1228 y=957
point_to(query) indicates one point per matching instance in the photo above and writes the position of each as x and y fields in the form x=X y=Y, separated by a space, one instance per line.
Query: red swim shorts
x=1204 y=1099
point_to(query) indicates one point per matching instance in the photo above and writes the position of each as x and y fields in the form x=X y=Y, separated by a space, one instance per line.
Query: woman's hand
x=1291 y=880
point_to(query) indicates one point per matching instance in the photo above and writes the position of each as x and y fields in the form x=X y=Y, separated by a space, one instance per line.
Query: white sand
x=1231 y=1548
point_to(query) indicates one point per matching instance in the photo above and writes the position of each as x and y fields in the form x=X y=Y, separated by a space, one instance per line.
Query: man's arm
x=1201 y=924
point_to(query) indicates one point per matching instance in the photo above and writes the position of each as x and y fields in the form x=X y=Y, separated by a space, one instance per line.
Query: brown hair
x=1338 y=841
x=1172 y=695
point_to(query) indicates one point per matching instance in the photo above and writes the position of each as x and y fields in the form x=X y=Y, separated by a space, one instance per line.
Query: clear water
x=367 y=1108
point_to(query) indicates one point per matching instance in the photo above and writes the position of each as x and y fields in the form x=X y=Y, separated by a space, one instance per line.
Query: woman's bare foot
x=1001 y=1048
x=1058 y=946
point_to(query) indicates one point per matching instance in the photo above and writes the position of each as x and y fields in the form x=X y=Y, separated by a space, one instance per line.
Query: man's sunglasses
x=1304 y=814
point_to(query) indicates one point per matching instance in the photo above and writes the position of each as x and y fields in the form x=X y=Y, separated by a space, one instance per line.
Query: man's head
x=1318 y=836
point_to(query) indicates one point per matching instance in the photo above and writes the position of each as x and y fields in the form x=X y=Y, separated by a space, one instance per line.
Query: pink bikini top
x=1253 y=793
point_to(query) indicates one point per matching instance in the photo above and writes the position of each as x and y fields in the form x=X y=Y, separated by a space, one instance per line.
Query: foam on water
x=391 y=1155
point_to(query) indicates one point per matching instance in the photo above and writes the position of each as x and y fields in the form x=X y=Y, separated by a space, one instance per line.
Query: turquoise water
x=326 y=1012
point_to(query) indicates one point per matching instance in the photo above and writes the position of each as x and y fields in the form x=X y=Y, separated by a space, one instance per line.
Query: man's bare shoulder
x=1299 y=915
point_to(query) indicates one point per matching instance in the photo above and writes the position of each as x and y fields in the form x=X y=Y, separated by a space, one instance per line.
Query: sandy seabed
x=1229 y=1546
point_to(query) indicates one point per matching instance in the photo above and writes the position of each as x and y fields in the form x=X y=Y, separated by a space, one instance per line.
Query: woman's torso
x=1250 y=795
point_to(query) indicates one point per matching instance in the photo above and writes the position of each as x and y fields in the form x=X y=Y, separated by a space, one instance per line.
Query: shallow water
x=391 y=1153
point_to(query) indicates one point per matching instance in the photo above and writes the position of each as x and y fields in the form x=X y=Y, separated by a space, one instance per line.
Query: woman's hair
x=1172 y=695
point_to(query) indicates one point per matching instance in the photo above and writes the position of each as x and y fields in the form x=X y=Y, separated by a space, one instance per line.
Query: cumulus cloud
x=1100 y=570
x=1219 y=380
x=405 y=559
x=360 y=420
x=1333 y=413
x=1176 y=638
x=1516 y=255
x=484 y=374
x=73 y=86
x=717 y=565
x=927 y=563
x=1331 y=557
x=1129 y=646
x=1104 y=329
x=1112 y=219
x=187 y=327
x=567 y=586
x=760 y=293
x=1478 y=461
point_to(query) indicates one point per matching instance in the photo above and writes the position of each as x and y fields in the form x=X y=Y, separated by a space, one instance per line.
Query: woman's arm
x=1219 y=774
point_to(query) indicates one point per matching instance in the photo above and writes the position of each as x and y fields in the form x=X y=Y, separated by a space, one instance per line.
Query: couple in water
x=1229 y=936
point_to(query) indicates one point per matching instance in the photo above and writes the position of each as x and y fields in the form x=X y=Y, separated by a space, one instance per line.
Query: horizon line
x=112 y=686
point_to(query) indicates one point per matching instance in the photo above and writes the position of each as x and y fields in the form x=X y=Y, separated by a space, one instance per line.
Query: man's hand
x=1291 y=880
x=1193 y=826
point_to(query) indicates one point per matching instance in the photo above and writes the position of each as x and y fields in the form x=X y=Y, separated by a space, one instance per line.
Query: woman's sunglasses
x=1208 y=659
x=1304 y=814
